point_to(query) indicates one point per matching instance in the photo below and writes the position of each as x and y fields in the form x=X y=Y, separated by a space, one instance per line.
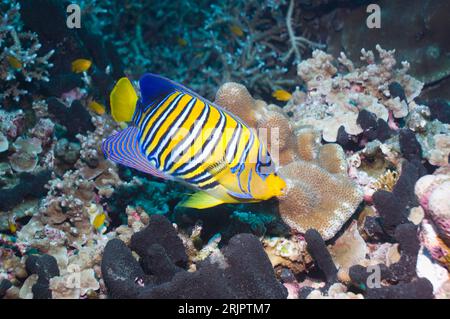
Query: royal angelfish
x=177 y=135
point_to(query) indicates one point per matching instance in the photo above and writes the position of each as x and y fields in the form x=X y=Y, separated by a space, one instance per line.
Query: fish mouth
x=282 y=191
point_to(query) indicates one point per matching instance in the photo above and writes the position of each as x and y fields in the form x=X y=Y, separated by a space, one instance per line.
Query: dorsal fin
x=153 y=87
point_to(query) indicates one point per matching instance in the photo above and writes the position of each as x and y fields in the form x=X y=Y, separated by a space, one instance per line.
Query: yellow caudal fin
x=201 y=200
x=123 y=101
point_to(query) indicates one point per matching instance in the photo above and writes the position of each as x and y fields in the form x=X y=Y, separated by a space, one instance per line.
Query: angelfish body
x=177 y=135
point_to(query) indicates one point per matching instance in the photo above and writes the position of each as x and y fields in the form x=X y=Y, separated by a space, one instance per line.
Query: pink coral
x=433 y=192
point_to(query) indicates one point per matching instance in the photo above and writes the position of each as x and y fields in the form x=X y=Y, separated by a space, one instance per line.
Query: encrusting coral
x=317 y=199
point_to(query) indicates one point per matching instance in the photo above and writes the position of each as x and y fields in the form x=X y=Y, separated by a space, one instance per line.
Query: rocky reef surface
x=365 y=156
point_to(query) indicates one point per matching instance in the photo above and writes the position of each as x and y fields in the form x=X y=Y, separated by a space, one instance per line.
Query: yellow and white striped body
x=183 y=137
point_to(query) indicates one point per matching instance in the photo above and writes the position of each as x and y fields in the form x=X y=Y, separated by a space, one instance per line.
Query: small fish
x=282 y=95
x=81 y=65
x=181 y=41
x=97 y=107
x=99 y=221
x=97 y=217
x=14 y=62
x=177 y=135
x=236 y=30
x=12 y=225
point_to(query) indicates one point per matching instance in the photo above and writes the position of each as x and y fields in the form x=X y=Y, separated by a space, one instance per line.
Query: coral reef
x=394 y=207
x=20 y=56
x=253 y=43
x=319 y=193
x=316 y=199
x=362 y=145
x=433 y=192
x=335 y=99
x=45 y=267
x=427 y=34
x=287 y=253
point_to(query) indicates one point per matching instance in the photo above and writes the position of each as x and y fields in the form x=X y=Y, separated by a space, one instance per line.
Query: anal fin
x=201 y=200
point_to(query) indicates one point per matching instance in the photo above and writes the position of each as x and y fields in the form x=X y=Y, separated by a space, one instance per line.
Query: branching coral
x=427 y=25
x=335 y=99
x=254 y=43
x=12 y=123
x=19 y=59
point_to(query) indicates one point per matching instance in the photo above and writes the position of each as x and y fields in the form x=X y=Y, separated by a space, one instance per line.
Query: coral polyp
x=386 y=181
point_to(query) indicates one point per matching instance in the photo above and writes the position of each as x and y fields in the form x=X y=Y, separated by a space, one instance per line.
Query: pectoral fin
x=223 y=175
x=201 y=200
